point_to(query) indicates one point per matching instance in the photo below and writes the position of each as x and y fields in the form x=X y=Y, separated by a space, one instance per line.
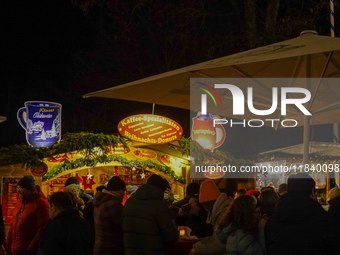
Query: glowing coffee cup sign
x=150 y=129
x=204 y=132
x=42 y=122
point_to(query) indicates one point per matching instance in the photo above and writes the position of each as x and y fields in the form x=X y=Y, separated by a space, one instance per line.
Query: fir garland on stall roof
x=88 y=144
x=26 y=155
x=83 y=162
x=92 y=146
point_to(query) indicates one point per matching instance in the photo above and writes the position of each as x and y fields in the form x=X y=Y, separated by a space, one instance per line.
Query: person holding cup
x=193 y=215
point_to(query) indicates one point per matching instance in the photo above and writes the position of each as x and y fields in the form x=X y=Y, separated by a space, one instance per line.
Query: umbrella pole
x=306 y=140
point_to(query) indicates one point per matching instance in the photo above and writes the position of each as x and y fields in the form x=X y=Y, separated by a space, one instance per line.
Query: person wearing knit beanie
x=73 y=188
x=208 y=191
x=157 y=181
x=26 y=186
x=253 y=192
x=30 y=216
x=107 y=216
x=115 y=184
x=215 y=204
x=147 y=224
x=27 y=182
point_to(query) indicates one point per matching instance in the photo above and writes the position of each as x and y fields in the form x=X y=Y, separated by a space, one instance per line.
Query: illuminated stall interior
x=322 y=157
x=130 y=165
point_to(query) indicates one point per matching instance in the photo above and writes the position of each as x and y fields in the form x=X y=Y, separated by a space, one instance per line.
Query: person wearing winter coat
x=242 y=229
x=215 y=203
x=83 y=195
x=30 y=216
x=89 y=208
x=75 y=189
x=193 y=215
x=67 y=233
x=268 y=201
x=299 y=224
x=192 y=189
x=147 y=225
x=107 y=216
x=334 y=204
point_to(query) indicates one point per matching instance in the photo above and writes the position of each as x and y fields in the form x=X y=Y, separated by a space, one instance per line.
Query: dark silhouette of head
x=61 y=200
x=157 y=181
x=115 y=184
x=301 y=183
x=193 y=188
x=282 y=188
x=71 y=180
x=100 y=188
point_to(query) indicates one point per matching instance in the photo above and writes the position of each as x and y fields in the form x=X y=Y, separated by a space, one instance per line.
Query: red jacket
x=29 y=219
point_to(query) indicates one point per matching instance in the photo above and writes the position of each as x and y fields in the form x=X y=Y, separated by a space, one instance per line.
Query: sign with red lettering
x=117 y=149
x=144 y=154
x=150 y=129
x=10 y=197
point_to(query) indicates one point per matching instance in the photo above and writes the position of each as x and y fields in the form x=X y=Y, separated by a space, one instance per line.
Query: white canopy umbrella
x=307 y=56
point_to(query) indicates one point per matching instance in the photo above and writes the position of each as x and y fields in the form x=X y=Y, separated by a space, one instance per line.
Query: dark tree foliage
x=139 y=38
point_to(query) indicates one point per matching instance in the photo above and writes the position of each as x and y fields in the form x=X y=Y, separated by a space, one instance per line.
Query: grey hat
x=131 y=189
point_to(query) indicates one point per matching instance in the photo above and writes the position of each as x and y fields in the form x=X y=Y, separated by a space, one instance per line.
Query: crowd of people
x=287 y=221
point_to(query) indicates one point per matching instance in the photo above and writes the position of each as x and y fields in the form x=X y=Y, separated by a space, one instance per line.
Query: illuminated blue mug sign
x=42 y=122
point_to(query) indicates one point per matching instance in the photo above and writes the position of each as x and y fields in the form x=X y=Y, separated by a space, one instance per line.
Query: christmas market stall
x=93 y=159
x=133 y=162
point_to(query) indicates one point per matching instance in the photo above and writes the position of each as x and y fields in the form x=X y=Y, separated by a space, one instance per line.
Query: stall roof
x=317 y=148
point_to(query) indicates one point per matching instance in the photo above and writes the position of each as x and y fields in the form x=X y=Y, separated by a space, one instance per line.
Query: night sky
x=41 y=40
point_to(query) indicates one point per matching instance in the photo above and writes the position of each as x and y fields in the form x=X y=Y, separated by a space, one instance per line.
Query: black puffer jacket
x=147 y=224
x=67 y=234
x=300 y=225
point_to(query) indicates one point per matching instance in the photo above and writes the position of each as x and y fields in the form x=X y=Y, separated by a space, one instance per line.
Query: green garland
x=83 y=162
x=86 y=142
x=26 y=155
x=185 y=145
